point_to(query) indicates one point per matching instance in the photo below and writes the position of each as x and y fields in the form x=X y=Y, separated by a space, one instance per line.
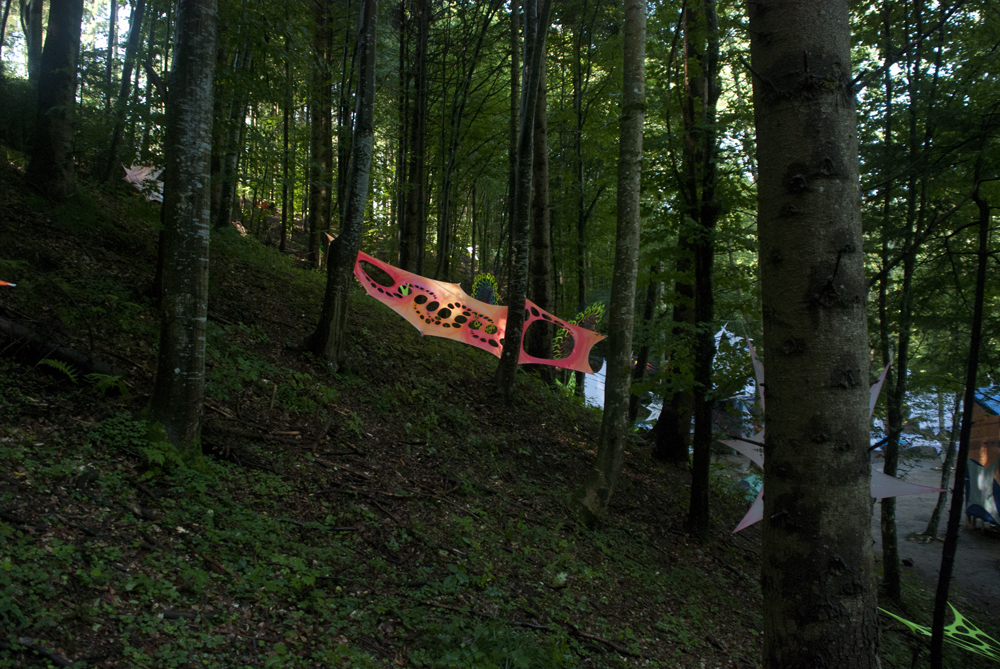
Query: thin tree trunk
x=700 y=157
x=818 y=569
x=539 y=337
x=536 y=27
x=642 y=360
x=285 y=159
x=3 y=24
x=958 y=492
x=946 y=469
x=109 y=68
x=234 y=141
x=411 y=240
x=591 y=500
x=31 y=24
x=330 y=336
x=178 y=392
x=51 y=167
x=321 y=158
x=121 y=102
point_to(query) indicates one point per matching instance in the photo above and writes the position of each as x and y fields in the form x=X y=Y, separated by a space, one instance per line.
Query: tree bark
x=958 y=492
x=179 y=390
x=411 y=240
x=946 y=469
x=591 y=500
x=701 y=94
x=330 y=336
x=536 y=25
x=234 y=141
x=818 y=568
x=321 y=157
x=51 y=167
x=31 y=24
x=539 y=336
x=112 y=56
x=121 y=102
x=3 y=24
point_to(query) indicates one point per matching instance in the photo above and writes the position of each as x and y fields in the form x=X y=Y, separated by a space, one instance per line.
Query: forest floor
x=393 y=515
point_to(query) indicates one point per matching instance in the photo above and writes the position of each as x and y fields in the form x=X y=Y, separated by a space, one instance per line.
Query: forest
x=217 y=450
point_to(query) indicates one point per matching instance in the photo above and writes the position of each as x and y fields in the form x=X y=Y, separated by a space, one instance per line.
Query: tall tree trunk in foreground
x=701 y=150
x=121 y=102
x=539 y=337
x=958 y=492
x=179 y=390
x=321 y=157
x=818 y=568
x=330 y=336
x=592 y=498
x=536 y=26
x=411 y=241
x=51 y=166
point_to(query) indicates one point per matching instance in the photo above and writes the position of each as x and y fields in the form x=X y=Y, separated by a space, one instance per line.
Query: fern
x=105 y=382
x=61 y=366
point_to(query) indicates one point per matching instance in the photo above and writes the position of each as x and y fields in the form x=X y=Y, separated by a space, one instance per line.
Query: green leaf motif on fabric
x=961 y=633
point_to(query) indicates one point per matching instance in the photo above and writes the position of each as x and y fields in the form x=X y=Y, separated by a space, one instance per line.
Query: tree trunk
x=3 y=24
x=591 y=500
x=178 y=393
x=701 y=94
x=946 y=469
x=330 y=337
x=539 y=337
x=536 y=25
x=121 y=103
x=642 y=360
x=109 y=67
x=818 y=568
x=958 y=492
x=31 y=24
x=321 y=162
x=285 y=158
x=51 y=167
x=234 y=141
x=411 y=240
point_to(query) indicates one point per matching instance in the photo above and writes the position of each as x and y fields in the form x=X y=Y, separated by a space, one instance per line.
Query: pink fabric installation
x=882 y=485
x=444 y=310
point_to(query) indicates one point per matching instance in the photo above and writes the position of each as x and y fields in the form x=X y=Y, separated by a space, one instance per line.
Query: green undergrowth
x=393 y=515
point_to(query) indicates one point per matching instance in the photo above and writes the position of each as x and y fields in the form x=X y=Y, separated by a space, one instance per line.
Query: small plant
x=61 y=366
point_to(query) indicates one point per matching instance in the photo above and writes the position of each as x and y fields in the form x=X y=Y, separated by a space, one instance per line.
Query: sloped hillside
x=392 y=515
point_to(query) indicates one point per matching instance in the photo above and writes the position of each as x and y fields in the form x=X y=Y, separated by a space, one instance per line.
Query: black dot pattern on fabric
x=433 y=306
x=444 y=313
x=420 y=299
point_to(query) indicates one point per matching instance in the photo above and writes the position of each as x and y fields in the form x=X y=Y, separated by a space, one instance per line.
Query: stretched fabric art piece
x=444 y=310
x=144 y=179
x=7 y=283
x=562 y=343
x=960 y=633
x=882 y=485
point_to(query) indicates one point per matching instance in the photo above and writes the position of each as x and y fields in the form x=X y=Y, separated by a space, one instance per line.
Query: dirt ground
x=977 y=562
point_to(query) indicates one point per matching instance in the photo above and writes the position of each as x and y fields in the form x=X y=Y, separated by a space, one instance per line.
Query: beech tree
x=179 y=389
x=330 y=335
x=592 y=499
x=51 y=167
x=818 y=569
x=536 y=25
